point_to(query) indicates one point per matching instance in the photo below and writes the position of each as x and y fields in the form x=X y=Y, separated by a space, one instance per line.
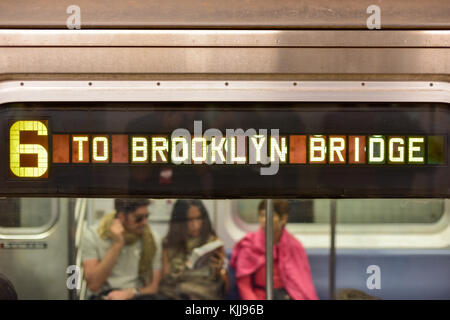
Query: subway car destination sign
x=225 y=149
x=30 y=155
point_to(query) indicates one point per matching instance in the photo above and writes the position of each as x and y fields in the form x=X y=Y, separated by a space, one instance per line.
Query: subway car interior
x=132 y=129
x=394 y=234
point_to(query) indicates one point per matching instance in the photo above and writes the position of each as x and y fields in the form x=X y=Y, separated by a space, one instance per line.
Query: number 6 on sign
x=28 y=145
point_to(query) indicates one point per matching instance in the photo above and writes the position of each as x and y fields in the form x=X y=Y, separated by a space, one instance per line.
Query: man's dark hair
x=7 y=290
x=129 y=205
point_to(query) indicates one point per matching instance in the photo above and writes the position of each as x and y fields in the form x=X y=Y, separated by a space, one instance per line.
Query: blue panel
x=405 y=274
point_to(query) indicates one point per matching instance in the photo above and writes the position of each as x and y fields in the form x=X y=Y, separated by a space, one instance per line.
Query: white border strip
x=379 y=91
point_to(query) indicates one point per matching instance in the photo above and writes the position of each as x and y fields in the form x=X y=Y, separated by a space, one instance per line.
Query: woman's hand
x=216 y=261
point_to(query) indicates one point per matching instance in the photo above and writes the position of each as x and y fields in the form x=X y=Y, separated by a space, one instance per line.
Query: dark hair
x=129 y=205
x=177 y=236
x=7 y=290
x=354 y=294
x=280 y=207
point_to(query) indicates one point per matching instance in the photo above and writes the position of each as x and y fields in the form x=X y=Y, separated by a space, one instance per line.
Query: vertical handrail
x=77 y=209
x=80 y=221
x=269 y=250
x=83 y=288
x=332 y=266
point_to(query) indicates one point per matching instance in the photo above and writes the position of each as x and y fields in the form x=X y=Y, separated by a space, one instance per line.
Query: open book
x=201 y=254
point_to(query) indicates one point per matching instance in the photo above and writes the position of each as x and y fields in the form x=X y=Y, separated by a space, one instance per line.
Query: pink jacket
x=249 y=255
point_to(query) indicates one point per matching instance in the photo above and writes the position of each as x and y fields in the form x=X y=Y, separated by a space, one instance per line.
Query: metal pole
x=332 y=271
x=269 y=250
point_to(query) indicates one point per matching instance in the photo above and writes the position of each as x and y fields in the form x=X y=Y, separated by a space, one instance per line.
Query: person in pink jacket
x=291 y=272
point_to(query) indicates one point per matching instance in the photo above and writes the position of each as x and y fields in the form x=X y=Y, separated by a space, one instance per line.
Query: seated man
x=121 y=255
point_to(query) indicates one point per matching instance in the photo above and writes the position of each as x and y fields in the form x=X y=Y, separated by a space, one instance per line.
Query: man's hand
x=121 y=294
x=117 y=231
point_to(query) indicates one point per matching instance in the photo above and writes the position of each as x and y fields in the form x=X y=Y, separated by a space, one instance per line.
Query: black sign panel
x=225 y=149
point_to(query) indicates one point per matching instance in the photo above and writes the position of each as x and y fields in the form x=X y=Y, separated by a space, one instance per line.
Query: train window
x=26 y=215
x=361 y=223
x=369 y=211
x=300 y=211
x=355 y=211
x=160 y=209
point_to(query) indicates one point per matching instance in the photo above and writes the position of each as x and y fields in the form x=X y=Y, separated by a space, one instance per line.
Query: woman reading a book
x=193 y=256
x=291 y=272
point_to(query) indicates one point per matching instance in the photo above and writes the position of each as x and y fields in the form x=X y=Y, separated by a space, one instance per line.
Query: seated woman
x=291 y=272
x=190 y=228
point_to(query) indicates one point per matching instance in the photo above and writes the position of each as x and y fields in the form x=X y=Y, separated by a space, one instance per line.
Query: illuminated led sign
x=33 y=149
x=28 y=141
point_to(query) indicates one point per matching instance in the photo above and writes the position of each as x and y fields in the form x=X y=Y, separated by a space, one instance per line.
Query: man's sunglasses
x=139 y=218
